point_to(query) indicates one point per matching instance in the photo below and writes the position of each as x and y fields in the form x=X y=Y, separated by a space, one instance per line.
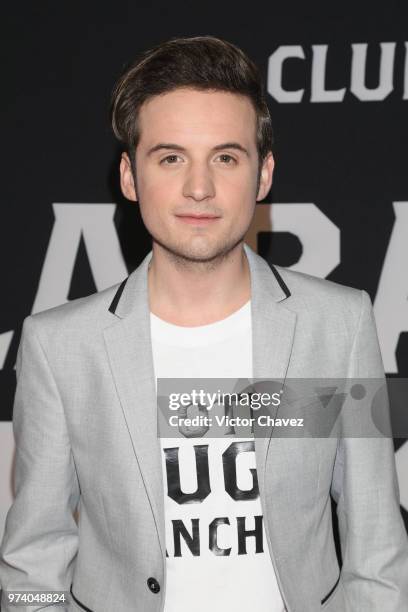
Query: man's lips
x=198 y=219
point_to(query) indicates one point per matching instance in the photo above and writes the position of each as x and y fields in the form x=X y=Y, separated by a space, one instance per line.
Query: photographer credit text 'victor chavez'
x=263 y=420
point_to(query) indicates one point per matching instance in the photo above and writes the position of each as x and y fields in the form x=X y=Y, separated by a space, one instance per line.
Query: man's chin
x=196 y=254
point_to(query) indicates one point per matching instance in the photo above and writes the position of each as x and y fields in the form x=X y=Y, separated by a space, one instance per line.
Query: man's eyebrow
x=176 y=147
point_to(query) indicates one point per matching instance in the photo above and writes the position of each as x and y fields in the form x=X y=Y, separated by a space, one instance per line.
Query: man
x=208 y=523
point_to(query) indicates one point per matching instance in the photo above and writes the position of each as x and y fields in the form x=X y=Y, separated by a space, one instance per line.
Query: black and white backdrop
x=337 y=83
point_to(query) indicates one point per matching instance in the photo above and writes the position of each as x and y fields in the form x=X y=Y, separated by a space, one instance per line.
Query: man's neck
x=193 y=295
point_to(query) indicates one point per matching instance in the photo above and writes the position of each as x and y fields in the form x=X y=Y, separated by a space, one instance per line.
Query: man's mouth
x=198 y=218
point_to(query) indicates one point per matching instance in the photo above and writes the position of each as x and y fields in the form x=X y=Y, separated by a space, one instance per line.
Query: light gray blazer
x=85 y=431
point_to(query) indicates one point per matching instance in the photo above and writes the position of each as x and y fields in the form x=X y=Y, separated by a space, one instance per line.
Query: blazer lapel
x=129 y=348
x=273 y=330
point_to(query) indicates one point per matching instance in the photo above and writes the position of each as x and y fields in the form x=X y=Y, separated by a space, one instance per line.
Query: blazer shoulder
x=81 y=313
x=312 y=291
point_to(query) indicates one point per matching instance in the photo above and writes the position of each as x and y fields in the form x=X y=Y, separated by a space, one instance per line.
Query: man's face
x=197 y=156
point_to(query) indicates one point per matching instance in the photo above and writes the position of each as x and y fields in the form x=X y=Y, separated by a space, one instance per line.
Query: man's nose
x=199 y=182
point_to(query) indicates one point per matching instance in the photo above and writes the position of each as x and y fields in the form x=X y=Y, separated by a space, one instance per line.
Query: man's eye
x=227 y=158
x=169 y=157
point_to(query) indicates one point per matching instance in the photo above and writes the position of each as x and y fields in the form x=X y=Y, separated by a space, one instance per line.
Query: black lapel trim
x=81 y=605
x=117 y=295
x=330 y=592
x=280 y=280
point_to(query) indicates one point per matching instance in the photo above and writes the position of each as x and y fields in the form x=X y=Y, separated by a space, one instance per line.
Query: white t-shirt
x=217 y=552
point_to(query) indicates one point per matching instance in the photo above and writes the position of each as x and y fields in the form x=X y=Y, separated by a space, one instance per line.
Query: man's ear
x=127 y=183
x=265 y=180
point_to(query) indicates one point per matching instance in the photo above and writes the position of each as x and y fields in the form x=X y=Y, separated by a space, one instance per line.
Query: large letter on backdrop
x=95 y=223
x=391 y=302
x=319 y=236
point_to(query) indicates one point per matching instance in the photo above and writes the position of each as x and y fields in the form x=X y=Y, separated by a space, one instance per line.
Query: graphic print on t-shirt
x=224 y=524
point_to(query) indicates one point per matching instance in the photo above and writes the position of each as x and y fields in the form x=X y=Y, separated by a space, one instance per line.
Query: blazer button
x=153 y=585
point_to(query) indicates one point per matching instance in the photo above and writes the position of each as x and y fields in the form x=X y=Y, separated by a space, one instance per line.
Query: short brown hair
x=199 y=62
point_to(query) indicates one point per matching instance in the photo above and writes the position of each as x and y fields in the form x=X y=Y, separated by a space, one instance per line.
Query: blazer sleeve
x=373 y=538
x=40 y=540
